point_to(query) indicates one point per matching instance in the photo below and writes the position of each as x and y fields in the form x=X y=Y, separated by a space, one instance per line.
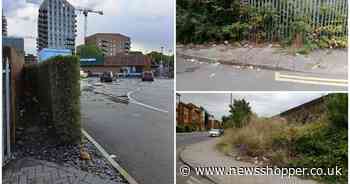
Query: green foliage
x=55 y=85
x=185 y=128
x=322 y=144
x=88 y=51
x=156 y=57
x=322 y=147
x=338 y=109
x=217 y=20
x=240 y=112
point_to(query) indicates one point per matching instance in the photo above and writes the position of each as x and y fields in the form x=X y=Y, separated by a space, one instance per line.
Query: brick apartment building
x=212 y=123
x=190 y=114
x=111 y=44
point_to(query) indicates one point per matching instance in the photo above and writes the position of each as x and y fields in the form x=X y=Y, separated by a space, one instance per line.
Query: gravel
x=68 y=155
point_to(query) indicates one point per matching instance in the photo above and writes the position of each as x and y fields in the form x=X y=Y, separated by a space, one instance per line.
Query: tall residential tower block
x=56 y=25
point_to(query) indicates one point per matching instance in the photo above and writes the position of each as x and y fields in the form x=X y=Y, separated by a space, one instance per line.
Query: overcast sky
x=264 y=104
x=149 y=23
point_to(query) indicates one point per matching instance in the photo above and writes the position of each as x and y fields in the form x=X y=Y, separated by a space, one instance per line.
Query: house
x=190 y=114
x=213 y=123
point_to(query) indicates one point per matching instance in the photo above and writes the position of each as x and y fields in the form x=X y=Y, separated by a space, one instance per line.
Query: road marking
x=122 y=171
x=132 y=100
x=310 y=80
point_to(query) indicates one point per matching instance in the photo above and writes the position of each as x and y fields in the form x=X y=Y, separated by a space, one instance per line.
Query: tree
x=87 y=51
x=156 y=57
x=240 y=113
x=337 y=106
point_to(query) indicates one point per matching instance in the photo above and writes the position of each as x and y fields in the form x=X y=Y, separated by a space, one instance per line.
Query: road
x=202 y=76
x=183 y=140
x=140 y=134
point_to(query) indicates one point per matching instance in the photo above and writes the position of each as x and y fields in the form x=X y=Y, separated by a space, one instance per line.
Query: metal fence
x=6 y=106
x=320 y=13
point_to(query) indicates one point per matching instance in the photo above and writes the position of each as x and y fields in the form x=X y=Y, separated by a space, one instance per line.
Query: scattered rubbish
x=237 y=67
x=316 y=66
x=98 y=84
x=84 y=155
x=216 y=64
x=226 y=42
x=191 y=69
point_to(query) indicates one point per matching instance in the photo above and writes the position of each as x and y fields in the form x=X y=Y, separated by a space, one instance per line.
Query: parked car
x=214 y=133
x=106 y=77
x=147 y=76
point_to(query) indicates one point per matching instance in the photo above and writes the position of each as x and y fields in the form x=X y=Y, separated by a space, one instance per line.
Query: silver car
x=214 y=133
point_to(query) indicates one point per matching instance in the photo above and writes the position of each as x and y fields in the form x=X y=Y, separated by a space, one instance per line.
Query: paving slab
x=32 y=171
x=204 y=154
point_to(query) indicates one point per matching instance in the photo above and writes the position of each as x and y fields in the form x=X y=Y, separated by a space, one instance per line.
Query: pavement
x=204 y=154
x=140 y=133
x=182 y=141
x=201 y=75
x=28 y=170
x=332 y=61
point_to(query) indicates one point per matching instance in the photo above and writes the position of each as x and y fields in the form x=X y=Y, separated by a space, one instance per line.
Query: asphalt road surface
x=140 y=133
x=183 y=140
x=202 y=76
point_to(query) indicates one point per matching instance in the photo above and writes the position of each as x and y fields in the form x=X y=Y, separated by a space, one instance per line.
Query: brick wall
x=306 y=113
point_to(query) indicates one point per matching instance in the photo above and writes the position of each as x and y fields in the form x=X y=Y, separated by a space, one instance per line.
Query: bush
x=338 y=110
x=55 y=83
x=321 y=144
x=257 y=137
x=185 y=128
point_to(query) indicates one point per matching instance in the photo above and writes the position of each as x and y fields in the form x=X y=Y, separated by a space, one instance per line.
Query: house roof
x=108 y=34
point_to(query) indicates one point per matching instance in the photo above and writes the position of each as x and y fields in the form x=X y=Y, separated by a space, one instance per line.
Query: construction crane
x=85 y=12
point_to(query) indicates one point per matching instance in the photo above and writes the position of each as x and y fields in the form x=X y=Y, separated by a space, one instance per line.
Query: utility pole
x=161 y=61
x=161 y=55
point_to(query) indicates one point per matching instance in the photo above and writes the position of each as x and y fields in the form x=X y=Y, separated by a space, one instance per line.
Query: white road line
x=132 y=100
x=311 y=80
x=122 y=171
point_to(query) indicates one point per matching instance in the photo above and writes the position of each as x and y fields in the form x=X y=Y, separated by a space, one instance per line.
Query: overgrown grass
x=316 y=144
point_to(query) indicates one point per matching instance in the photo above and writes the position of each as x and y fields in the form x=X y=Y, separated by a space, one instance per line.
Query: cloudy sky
x=264 y=104
x=149 y=23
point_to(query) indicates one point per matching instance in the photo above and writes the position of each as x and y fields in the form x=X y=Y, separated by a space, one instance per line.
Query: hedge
x=55 y=84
